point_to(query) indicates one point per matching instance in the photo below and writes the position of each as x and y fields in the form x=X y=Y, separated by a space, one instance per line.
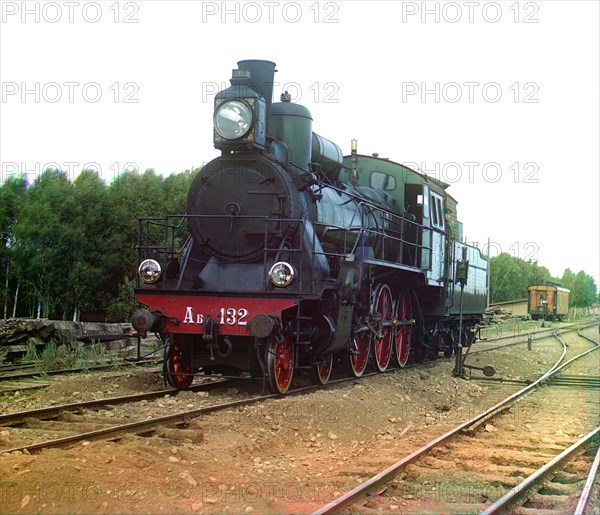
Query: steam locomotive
x=297 y=256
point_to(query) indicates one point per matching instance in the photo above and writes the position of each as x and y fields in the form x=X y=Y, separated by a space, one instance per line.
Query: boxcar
x=548 y=302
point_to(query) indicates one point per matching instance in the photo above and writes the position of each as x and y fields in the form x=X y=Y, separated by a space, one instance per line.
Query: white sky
x=361 y=68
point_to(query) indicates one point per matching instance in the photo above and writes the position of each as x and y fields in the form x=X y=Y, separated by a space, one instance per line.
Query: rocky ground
x=287 y=455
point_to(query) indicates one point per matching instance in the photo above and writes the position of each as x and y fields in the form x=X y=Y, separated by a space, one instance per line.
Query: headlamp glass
x=233 y=119
x=282 y=274
x=149 y=271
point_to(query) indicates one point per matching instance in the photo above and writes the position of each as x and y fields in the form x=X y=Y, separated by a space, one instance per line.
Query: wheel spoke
x=402 y=337
x=359 y=353
x=383 y=311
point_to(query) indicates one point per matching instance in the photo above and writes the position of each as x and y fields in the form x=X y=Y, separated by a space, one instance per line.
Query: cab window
x=437 y=210
x=384 y=181
x=434 y=212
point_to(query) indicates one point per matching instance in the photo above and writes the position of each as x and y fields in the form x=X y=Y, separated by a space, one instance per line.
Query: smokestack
x=262 y=77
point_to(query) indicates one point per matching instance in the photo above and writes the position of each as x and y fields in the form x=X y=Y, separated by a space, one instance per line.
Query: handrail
x=388 y=230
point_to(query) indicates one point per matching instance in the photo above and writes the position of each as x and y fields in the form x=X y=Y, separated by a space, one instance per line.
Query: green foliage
x=72 y=245
x=59 y=357
x=122 y=307
x=45 y=236
x=583 y=288
x=97 y=354
x=12 y=193
x=31 y=356
x=511 y=276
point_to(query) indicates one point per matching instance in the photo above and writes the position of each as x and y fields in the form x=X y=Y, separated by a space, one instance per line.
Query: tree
x=123 y=305
x=176 y=187
x=583 y=290
x=87 y=276
x=45 y=239
x=509 y=278
x=538 y=274
x=568 y=278
x=12 y=193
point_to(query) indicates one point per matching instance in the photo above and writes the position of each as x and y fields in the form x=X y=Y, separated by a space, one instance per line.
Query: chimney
x=262 y=77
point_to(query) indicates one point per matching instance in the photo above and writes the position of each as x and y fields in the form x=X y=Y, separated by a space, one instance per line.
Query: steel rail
x=10 y=368
x=27 y=375
x=174 y=418
x=525 y=333
x=573 y=326
x=145 y=425
x=132 y=427
x=513 y=495
x=52 y=411
x=587 y=337
x=536 y=333
x=583 y=499
x=382 y=477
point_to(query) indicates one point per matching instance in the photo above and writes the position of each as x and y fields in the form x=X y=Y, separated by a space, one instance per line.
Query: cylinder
x=328 y=155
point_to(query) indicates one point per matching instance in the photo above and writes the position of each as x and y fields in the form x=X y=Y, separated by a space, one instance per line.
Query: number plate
x=224 y=316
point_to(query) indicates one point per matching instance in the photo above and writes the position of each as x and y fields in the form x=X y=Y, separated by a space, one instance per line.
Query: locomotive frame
x=296 y=255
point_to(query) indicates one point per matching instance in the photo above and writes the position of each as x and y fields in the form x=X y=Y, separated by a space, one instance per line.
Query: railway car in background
x=297 y=256
x=548 y=302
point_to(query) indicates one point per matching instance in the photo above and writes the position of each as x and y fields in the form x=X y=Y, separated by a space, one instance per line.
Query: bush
x=32 y=354
x=61 y=357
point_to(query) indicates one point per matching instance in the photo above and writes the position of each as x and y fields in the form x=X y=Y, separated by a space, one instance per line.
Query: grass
x=17 y=395
x=32 y=355
x=59 y=357
x=97 y=354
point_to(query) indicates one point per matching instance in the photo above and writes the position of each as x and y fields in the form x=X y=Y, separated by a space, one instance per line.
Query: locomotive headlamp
x=149 y=271
x=233 y=119
x=282 y=274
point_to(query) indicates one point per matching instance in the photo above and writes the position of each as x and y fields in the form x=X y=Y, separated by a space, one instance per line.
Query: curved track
x=108 y=429
x=438 y=453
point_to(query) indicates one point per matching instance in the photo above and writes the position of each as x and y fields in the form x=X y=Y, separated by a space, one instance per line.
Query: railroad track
x=478 y=462
x=114 y=431
x=39 y=379
x=525 y=336
x=39 y=373
x=107 y=429
x=21 y=381
x=71 y=417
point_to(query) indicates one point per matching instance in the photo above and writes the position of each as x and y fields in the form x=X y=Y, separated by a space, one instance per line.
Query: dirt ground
x=286 y=455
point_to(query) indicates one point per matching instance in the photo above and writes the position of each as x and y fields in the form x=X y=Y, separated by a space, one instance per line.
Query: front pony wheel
x=280 y=363
x=177 y=374
x=320 y=371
